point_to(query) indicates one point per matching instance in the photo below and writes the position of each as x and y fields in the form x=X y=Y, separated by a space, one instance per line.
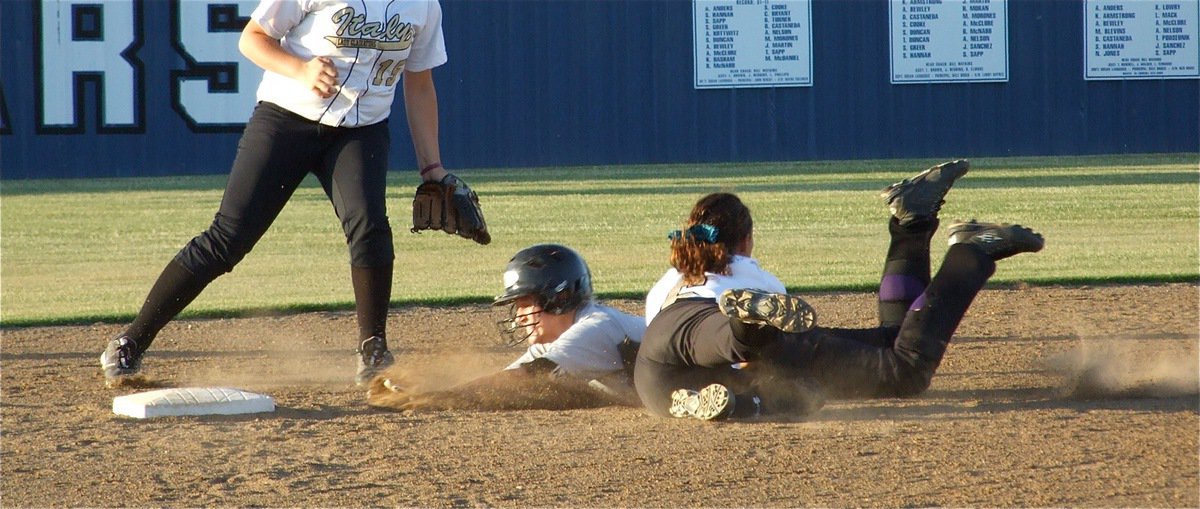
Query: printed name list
x=752 y=43
x=1141 y=39
x=942 y=41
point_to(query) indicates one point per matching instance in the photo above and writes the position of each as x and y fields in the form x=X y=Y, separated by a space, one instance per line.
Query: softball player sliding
x=716 y=308
x=579 y=352
x=332 y=68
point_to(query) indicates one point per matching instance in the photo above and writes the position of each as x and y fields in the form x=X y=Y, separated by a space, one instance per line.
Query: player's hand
x=321 y=76
x=384 y=392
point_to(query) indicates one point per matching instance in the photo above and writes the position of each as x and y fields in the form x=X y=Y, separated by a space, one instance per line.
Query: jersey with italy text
x=371 y=43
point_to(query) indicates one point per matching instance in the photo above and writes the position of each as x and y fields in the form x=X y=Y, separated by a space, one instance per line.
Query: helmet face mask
x=557 y=279
x=517 y=328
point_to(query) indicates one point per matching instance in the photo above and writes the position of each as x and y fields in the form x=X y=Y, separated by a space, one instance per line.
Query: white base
x=192 y=401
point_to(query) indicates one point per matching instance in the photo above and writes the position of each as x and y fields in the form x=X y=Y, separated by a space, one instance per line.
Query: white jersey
x=744 y=272
x=588 y=349
x=371 y=43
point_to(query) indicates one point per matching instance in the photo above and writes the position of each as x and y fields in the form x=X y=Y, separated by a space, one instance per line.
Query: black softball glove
x=450 y=206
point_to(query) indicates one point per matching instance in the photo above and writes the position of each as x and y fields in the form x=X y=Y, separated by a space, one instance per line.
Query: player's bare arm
x=265 y=51
x=420 y=103
x=514 y=389
x=443 y=201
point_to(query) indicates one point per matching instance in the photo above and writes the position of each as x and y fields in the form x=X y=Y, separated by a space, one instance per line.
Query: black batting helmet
x=554 y=274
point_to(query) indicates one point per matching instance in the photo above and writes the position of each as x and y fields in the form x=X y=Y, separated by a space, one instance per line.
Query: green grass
x=78 y=251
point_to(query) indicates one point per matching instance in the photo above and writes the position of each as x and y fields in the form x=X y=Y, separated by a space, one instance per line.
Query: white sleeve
x=767 y=281
x=429 y=49
x=658 y=293
x=633 y=326
x=529 y=356
x=746 y=273
x=587 y=348
x=278 y=17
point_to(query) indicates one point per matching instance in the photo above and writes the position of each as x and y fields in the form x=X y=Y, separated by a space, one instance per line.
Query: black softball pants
x=688 y=345
x=691 y=344
x=277 y=150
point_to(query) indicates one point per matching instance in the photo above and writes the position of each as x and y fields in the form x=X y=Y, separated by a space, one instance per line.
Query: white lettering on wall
x=84 y=41
x=217 y=90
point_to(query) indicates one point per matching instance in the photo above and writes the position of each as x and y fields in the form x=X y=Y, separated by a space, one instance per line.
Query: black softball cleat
x=712 y=403
x=787 y=313
x=120 y=360
x=997 y=240
x=373 y=359
x=921 y=196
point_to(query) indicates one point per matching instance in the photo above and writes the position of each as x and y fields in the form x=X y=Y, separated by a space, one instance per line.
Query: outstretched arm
x=530 y=388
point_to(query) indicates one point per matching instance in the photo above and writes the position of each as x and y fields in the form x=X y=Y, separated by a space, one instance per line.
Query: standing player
x=580 y=352
x=716 y=307
x=332 y=68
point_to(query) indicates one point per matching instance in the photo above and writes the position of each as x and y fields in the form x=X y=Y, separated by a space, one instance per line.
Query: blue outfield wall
x=98 y=88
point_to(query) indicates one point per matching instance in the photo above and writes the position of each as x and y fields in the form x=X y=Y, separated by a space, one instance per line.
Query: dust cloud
x=1117 y=369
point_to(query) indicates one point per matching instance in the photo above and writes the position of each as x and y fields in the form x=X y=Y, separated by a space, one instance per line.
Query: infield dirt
x=1048 y=396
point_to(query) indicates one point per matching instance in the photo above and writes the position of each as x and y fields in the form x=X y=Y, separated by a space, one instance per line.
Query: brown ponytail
x=693 y=253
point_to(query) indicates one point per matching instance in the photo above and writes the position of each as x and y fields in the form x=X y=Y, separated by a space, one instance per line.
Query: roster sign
x=1141 y=39
x=945 y=41
x=752 y=43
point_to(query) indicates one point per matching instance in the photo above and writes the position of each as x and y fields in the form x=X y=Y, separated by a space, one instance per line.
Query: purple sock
x=900 y=287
